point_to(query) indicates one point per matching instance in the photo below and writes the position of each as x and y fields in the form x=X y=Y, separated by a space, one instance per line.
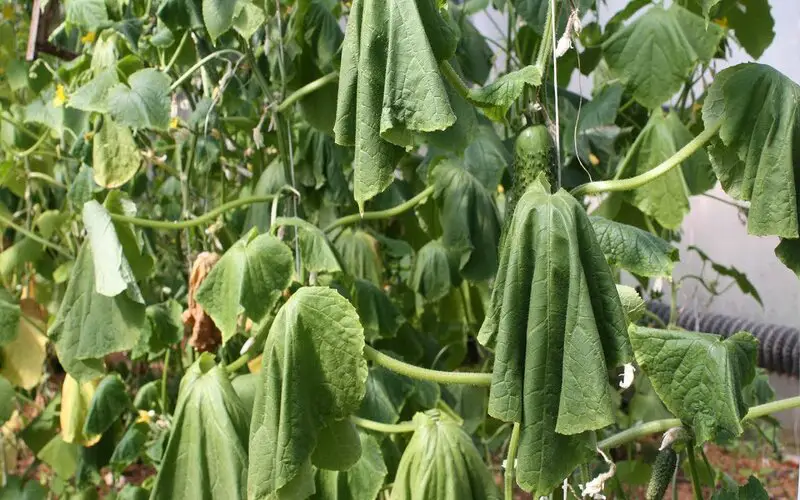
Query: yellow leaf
x=60 y=97
x=88 y=37
x=254 y=365
x=8 y=11
x=75 y=401
x=21 y=360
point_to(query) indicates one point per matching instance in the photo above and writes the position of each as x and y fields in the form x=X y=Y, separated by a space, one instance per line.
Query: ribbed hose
x=779 y=346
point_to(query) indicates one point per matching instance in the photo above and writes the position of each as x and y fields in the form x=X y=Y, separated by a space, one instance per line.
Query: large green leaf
x=90 y=325
x=13 y=257
x=666 y=198
x=252 y=274
x=555 y=322
x=755 y=155
x=93 y=95
x=430 y=276
x=391 y=94
x=633 y=249
x=441 y=462
x=486 y=157
x=110 y=400
x=179 y=15
x=206 y=456
x=752 y=490
x=470 y=222
x=698 y=376
x=473 y=52
x=144 y=102
x=656 y=53
x=751 y=22
x=362 y=481
x=88 y=15
x=312 y=377
x=115 y=156
x=218 y=16
x=359 y=255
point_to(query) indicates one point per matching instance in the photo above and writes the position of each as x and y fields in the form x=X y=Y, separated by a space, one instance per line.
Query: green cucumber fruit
x=663 y=470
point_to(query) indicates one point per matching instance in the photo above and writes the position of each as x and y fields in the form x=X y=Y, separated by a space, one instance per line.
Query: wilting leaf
x=441 y=462
x=430 y=276
x=313 y=376
x=386 y=395
x=359 y=255
x=115 y=156
x=252 y=274
x=633 y=249
x=21 y=359
x=362 y=481
x=376 y=311
x=698 y=376
x=206 y=456
x=555 y=321
x=75 y=401
x=140 y=260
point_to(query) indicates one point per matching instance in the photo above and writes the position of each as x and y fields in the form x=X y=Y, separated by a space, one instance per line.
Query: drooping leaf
x=376 y=311
x=654 y=54
x=752 y=24
x=313 y=374
x=247 y=18
x=752 y=490
x=110 y=400
x=534 y=13
x=486 y=157
x=252 y=274
x=76 y=398
x=115 y=156
x=206 y=456
x=742 y=281
x=113 y=274
x=755 y=154
x=391 y=94
x=362 y=481
x=497 y=97
x=666 y=198
x=130 y=446
x=633 y=249
x=315 y=251
x=386 y=395
x=144 y=102
x=60 y=456
x=555 y=321
x=632 y=303
x=441 y=462
x=698 y=376
x=22 y=358
x=470 y=222
x=89 y=325
x=473 y=53
x=430 y=276
x=359 y=255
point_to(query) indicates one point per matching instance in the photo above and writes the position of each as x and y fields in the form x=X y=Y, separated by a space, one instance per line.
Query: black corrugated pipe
x=779 y=346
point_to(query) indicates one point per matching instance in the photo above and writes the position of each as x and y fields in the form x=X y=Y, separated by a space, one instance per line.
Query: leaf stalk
x=371 y=425
x=382 y=214
x=305 y=90
x=416 y=372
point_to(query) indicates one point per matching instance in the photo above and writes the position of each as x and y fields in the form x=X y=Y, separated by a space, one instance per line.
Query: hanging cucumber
x=533 y=154
x=663 y=470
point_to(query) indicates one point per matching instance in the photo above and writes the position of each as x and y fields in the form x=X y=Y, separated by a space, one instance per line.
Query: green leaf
x=180 y=15
x=10 y=315
x=595 y=125
x=359 y=255
x=8 y=400
x=473 y=53
x=556 y=321
x=741 y=279
x=752 y=490
x=89 y=325
x=144 y=102
x=497 y=97
x=376 y=311
x=430 y=275
x=630 y=248
x=752 y=24
x=113 y=274
x=110 y=401
x=163 y=328
x=252 y=274
x=391 y=94
x=115 y=156
x=698 y=376
x=470 y=222
x=93 y=95
x=362 y=481
x=247 y=18
x=60 y=456
x=632 y=303
x=441 y=462
x=131 y=492
x=755 y=154
x=206 y=456
x=486 y=157
x=657 y=52
x=315 y=251
x=666 y=198
x=313 y=374
x=89 y=15
x=140 y=260
x=130 y=446
x=788 y=252
x=386 y=395
x=23 y=251
x=148 y=396
x=218 y=16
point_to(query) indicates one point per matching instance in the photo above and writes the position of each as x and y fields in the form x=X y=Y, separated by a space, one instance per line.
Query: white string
x=555 y=91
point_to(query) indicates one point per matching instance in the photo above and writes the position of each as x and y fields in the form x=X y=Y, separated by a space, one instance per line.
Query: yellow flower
x=501 y=189
x=8 y=11
x=174 y=122
x=143 y=417
x=60 y=97
x=594 y=159
x=88 y=37
x=722 y=22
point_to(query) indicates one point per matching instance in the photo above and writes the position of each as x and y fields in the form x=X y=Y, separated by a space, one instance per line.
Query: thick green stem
x=174 y=57
x=511 y=459
x=440 y=377
x=382 y=427
x=382 y=214
x=657 y=426
x=203 y=219
x=164 y=375
x=199 y=64
x=454 y=79
x=305 y=90
x=35 y=237
x=640 y=180
x=698 y=490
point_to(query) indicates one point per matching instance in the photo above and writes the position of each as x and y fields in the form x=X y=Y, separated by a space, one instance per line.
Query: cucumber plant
x=321 y=249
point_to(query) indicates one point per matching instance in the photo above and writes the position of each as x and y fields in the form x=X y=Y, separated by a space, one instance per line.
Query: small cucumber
x=533 y=154
x=663 y=470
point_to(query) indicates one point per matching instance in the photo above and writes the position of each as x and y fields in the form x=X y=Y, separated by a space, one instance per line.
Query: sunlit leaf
x=115 y=155
x=144 y=102
x=359 y=255
x=110 y=400
x=76 y=398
